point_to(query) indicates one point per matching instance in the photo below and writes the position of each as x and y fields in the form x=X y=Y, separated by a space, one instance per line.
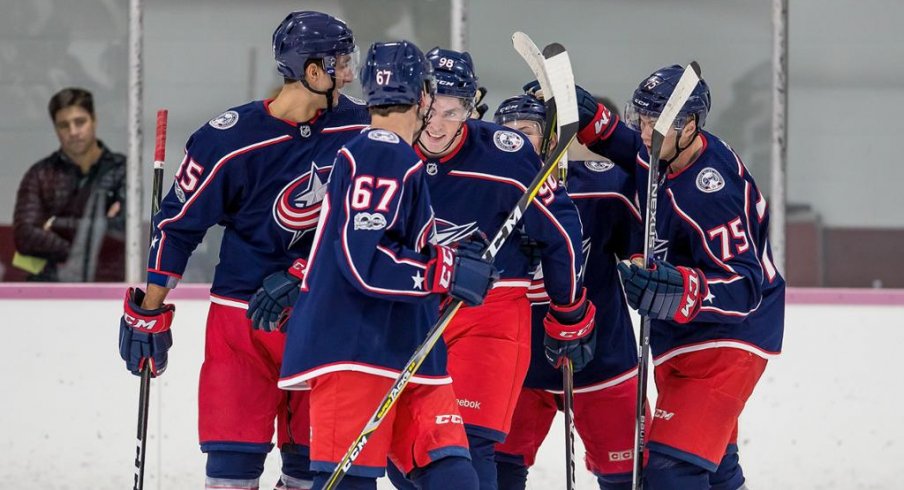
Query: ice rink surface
x=825 y=416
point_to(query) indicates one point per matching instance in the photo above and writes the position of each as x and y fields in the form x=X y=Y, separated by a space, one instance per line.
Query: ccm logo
x=616 y=456
x=139 y=322
x=448 y=419
x=662 y=414
x=355 y=453
x=568 y=334
x=693 y=291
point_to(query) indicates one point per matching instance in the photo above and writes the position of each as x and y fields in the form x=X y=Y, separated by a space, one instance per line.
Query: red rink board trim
x=114 y=291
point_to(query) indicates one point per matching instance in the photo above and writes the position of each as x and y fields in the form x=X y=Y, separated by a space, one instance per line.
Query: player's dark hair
x=385 y=110
x=68 y=97
x=319 y=61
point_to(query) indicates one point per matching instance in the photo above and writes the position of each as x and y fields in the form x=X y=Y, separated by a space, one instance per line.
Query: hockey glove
x=570 y=333
x=594 y=119
x=479 y=108
x=461 y=272
x=664 y=291
x=144 y=335
x=271 y=305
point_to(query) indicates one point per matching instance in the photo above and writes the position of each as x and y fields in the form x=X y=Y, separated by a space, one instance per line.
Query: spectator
x=68 y=222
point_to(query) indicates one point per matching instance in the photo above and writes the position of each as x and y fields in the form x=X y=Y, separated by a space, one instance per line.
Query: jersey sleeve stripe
x=348 y=127
x=494 y=178
x=575 y=267
x=401 y=260
x=318 y=237
x=609 y=195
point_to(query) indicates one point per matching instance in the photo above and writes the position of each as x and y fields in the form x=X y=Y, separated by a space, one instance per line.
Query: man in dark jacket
x=69 y=207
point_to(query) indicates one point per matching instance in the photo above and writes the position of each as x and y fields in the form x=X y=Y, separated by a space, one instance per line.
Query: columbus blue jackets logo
x=598 y=165
x=297 y=207
x=710 y=180
x=508 y=141
x=225 y=120
x=448 y=233
x=384 y=136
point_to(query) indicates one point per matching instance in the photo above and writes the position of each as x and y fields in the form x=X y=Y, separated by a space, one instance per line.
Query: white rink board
x=826 y=414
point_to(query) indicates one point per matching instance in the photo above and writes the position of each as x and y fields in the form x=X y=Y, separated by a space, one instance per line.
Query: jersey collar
x=458 y=147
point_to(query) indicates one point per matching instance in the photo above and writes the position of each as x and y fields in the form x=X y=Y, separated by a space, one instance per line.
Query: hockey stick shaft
x=561 y=62
x=664 y=123
x=532 y=55
x=144 y=390
x=568 y=406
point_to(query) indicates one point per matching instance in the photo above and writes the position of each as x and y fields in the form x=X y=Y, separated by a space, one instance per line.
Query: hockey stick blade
x=537 y=63
x=570 y=130
x=664 y=123
x=557 y=57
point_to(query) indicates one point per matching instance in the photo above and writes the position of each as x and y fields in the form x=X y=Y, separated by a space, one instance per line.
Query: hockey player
x=259 y=169
x=477 y=171
x=372 y=291
x=715 y=297
x=606 y=387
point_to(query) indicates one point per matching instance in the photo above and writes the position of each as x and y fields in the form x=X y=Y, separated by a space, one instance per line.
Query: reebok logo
x=662 y=414
x=468 y=403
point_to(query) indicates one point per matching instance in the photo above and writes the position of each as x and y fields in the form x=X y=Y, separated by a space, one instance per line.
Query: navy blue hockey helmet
x=308 y=35
x=454 y=73
x=396 y=73
x=651 y=95
x=524 y=107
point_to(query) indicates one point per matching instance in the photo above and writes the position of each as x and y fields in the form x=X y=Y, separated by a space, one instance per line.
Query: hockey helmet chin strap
x=424 y=121
x=678 y=148
x=328 y=92
x=448 y=145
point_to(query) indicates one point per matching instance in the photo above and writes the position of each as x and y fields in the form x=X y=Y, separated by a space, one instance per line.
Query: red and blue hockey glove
x=461 y=272
x=570 y=333
x=271 y=305
x=144 y=335
x=595 y=121
x=664 y=291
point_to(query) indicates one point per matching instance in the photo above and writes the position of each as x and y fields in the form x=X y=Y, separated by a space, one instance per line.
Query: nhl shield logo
x=710 y=180
x=508 y=141
x=225 y=120
x=598 y=165
x=432 y=168
x=297 y=207
x=304 y=130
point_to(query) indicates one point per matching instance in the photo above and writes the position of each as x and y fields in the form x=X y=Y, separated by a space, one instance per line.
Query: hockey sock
x=668 y=473
x=296 y=469
x=399 y=480
x=728 y=475
x=483 y=452
x=511 y=476
x=610 y=483
x=452 y=473
x=232 y=469
x=348 y=482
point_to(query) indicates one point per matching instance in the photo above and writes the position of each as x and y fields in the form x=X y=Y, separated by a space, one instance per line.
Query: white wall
x=203 y=56
x=826 y=414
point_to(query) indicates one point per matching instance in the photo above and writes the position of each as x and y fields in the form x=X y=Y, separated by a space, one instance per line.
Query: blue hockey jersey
x=711 y=215
x=476 y=187
x=605 y=197
x=260 y=177
x=364 y=305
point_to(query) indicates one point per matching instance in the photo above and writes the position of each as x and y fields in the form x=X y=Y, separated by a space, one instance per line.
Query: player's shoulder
x=235 y=129
x=349 y=111
x=380 y=149
x=503 y=151
x=718 y=172
x=599 y=175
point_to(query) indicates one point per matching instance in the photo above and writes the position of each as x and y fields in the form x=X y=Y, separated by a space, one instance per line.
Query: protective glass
x=637 y=118
x=343 y=66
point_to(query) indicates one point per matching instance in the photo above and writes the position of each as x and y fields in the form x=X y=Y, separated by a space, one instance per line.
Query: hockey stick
x=558 y=65
x=664 y=123
x=144 y=390
x=531 y=54
x=535 y=60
